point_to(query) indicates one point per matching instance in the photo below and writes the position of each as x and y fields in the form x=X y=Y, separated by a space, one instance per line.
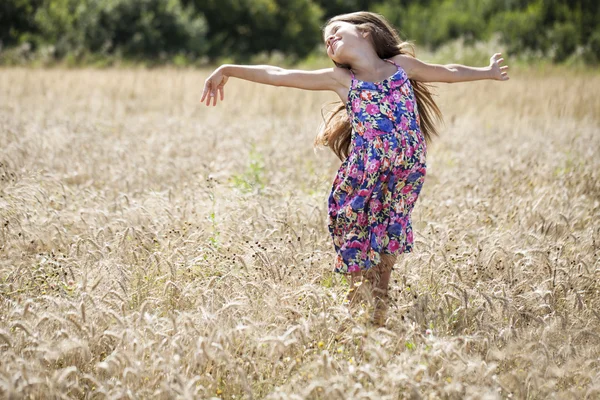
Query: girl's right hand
x=498 y=72
x=213 y=84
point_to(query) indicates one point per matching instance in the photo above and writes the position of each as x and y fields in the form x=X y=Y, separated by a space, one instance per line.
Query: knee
x=388 y=261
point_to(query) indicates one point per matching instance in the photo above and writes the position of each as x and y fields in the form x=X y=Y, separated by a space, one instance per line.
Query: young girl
x=379 y=132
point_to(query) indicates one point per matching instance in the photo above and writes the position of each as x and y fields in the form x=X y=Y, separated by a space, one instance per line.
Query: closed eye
x=334 y=30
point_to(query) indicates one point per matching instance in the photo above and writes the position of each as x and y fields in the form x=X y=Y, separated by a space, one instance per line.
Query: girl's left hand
x=498 y=73
x=213 y=84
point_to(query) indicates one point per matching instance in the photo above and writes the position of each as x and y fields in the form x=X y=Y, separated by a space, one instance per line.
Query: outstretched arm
x=450 y=73
x=322 y=79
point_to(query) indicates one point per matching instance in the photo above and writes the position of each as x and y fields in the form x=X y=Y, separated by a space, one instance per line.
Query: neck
x=367 y=63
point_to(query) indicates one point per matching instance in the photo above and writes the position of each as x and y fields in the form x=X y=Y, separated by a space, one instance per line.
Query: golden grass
x=151 y=247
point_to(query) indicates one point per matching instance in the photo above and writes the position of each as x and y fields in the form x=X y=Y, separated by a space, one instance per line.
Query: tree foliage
x=240 y=29
x=553 y=28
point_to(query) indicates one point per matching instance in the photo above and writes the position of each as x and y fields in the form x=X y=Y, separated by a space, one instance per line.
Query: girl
x=379 y=132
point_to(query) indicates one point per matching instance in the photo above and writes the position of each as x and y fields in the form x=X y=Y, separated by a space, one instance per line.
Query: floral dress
x=378 y=183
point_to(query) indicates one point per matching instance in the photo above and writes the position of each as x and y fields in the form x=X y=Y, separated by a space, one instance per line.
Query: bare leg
x=372 y=286
x=356 y=291
x=380 y=288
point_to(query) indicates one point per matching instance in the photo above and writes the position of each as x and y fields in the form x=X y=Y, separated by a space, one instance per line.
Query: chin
x=338 y=62
x=335 y=59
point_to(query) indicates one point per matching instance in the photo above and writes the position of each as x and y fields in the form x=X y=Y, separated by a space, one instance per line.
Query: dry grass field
x=151 y=247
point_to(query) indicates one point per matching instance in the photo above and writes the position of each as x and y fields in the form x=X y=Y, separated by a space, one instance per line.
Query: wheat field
x=153 y=247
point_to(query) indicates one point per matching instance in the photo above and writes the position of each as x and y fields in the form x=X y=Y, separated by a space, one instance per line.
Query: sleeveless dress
x=376 y=186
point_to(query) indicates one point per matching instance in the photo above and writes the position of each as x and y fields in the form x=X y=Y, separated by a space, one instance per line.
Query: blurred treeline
x=209 y=31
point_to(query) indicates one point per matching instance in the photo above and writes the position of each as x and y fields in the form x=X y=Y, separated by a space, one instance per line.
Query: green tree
x=335 y=7
x=239 y=29
x=146 y=28
x=16 y=20
x=134 y=28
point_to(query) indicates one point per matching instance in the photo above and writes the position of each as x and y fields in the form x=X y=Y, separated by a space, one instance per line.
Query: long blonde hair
x=337 y=129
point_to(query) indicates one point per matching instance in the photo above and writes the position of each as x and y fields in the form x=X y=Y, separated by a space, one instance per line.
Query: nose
x=330 y=38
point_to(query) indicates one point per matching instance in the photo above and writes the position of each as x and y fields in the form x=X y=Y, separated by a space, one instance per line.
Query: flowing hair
x=337 y=129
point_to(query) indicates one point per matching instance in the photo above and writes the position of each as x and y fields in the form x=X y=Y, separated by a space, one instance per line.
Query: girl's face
x=342 y=39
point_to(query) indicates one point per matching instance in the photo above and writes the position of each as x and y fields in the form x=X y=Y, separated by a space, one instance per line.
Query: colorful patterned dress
x=373 y=194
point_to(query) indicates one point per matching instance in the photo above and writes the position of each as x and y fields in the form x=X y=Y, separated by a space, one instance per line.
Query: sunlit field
x=152 y=247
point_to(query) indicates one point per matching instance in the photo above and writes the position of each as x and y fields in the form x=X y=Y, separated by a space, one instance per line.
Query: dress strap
x=353 y=80
x=393 y=62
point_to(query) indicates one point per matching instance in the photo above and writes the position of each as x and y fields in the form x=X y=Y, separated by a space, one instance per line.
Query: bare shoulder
x=408 y=63
x=342 y=76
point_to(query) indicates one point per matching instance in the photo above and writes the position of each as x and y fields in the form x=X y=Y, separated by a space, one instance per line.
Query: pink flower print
x=356 y=105
x=409 y=106
x=409 y=237
x=355 y=244
x=412 y=198
x=376 y=205
x=372 y=109
x=393 y=245
x=404 y=90
x=379 y=230
x=370 y=134
x=396 y=96
x=409 y=152
x=364 y=192
x=373 y=166
x=407 y=189
x=353 y=171
x=354 y=268
x=363 y=254
x=362 y=219
x=403 y=123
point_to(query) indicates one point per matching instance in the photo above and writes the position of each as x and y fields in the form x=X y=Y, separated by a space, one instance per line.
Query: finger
x=209 y=97
x=209 y=93
x=204 y=93
x=221 y=93
x=500 y=60
x=214 y=98
x=504 y=68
